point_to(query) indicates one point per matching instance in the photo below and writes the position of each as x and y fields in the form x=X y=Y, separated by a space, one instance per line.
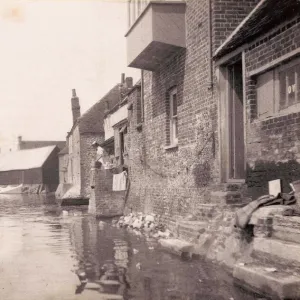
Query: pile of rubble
x=139 y=223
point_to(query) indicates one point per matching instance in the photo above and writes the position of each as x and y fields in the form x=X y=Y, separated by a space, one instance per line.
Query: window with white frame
x=173 y=116
x=278 y=90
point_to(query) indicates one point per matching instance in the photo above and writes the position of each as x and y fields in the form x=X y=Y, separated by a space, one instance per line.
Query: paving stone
x=277 y=249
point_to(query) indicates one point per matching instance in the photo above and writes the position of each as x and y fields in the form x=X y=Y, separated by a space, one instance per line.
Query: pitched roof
x=92 y=120
x=25 y=159
x=266 y=15
x=65 y=150
x=24 y=145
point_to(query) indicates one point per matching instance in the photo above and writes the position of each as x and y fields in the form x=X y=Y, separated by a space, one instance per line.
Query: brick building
x=36 y=170
x=185 y=152
x=77 y=159
x=106 y=199
x=264 y=50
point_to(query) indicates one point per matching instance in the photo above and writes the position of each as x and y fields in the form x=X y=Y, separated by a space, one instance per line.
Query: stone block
x=278 y=284
x=277 y=250
x=176 y=246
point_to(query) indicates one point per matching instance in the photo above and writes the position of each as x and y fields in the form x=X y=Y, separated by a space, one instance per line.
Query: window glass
x=291 y=85
x=174 y=104
x=298 y=82
x=282 y=82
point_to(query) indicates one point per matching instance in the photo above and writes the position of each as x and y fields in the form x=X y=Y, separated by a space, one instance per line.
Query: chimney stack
x=123 y=78
x=129 y=82
x=19 y=142
x=75 y=106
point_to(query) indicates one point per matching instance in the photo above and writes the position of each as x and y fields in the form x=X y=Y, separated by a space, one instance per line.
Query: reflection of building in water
x=121 y=253
x=76 y=238
x=91 y=263
x=84 y=242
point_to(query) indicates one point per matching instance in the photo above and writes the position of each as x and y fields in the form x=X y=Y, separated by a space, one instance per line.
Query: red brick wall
x=273 y=143
x=176 y=181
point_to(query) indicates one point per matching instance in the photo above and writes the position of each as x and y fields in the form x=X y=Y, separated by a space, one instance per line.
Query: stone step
x=264 y=279
x=286 y=228
x=190 y=230
x=206 y=211
x=277 y=250
x=228 y=197
x=177 y=246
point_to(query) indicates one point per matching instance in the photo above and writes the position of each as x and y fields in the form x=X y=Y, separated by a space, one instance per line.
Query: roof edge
x=238 y=28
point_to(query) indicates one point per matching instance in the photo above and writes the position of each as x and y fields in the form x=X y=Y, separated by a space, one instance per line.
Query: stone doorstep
x=277 y=250
x=286 y=228
x=279 y=284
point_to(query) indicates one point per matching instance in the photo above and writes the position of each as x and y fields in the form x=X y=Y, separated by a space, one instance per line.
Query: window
x=278 y=90
x=173 y=117
x=265 y=94
x=289 y=80
x=140 y=103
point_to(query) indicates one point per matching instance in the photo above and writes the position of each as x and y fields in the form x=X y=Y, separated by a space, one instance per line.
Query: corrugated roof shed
x=25 y=159
x=265 y=16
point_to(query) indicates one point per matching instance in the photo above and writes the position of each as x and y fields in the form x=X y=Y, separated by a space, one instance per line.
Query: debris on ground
x=65 y=213
x=147 y=224
x=271 y=270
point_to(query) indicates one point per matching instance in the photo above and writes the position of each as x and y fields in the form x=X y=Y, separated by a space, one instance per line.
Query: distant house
x=35 y=169
x=115 y=126
x=79 y=156
x=24 y=145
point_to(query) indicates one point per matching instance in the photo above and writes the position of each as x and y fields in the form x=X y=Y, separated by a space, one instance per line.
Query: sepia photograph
x=150 y=150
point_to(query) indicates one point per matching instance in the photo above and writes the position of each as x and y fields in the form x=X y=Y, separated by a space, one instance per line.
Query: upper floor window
x=173 y=116
x=135 y=8
x=278 y=90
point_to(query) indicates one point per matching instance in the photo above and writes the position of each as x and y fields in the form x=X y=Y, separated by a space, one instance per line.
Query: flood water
x=42 y=251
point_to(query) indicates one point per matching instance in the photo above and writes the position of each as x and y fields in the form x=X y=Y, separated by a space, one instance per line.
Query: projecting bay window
x=173 y=120
x=278 y=90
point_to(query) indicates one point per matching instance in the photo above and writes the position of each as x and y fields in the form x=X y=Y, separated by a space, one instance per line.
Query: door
x=236 y=122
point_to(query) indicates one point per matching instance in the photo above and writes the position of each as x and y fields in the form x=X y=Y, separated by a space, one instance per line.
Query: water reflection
x=47 y=254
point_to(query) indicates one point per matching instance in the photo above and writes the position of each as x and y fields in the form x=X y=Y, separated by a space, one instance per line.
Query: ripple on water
x=44 y=255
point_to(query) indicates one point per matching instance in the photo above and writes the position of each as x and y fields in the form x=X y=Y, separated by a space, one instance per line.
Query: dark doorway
x=236 y=122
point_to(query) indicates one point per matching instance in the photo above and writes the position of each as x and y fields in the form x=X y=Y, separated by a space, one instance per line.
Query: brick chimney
x=129 y=82
x=123 y=78
x=75 y=106
x=19 y=142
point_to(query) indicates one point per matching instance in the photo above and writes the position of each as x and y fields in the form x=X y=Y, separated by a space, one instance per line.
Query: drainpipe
x=210 y=66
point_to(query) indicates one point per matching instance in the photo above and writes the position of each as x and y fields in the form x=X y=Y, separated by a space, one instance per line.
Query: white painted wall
x=120 y=115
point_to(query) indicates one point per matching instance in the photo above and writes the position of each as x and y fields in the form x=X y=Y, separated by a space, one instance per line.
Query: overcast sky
x=48 y=48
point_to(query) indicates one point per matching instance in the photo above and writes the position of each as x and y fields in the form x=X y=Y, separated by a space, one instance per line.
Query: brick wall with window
x=174 y=154
x=273 y=105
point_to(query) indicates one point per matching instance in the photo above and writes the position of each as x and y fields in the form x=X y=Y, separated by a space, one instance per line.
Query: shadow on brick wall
x=257 y=178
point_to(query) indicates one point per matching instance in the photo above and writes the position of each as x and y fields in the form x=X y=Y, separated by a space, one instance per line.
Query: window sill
x=171 y=147
x=281 y=113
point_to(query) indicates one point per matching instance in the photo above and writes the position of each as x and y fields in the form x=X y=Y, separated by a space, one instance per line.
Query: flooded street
x=43 y=250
